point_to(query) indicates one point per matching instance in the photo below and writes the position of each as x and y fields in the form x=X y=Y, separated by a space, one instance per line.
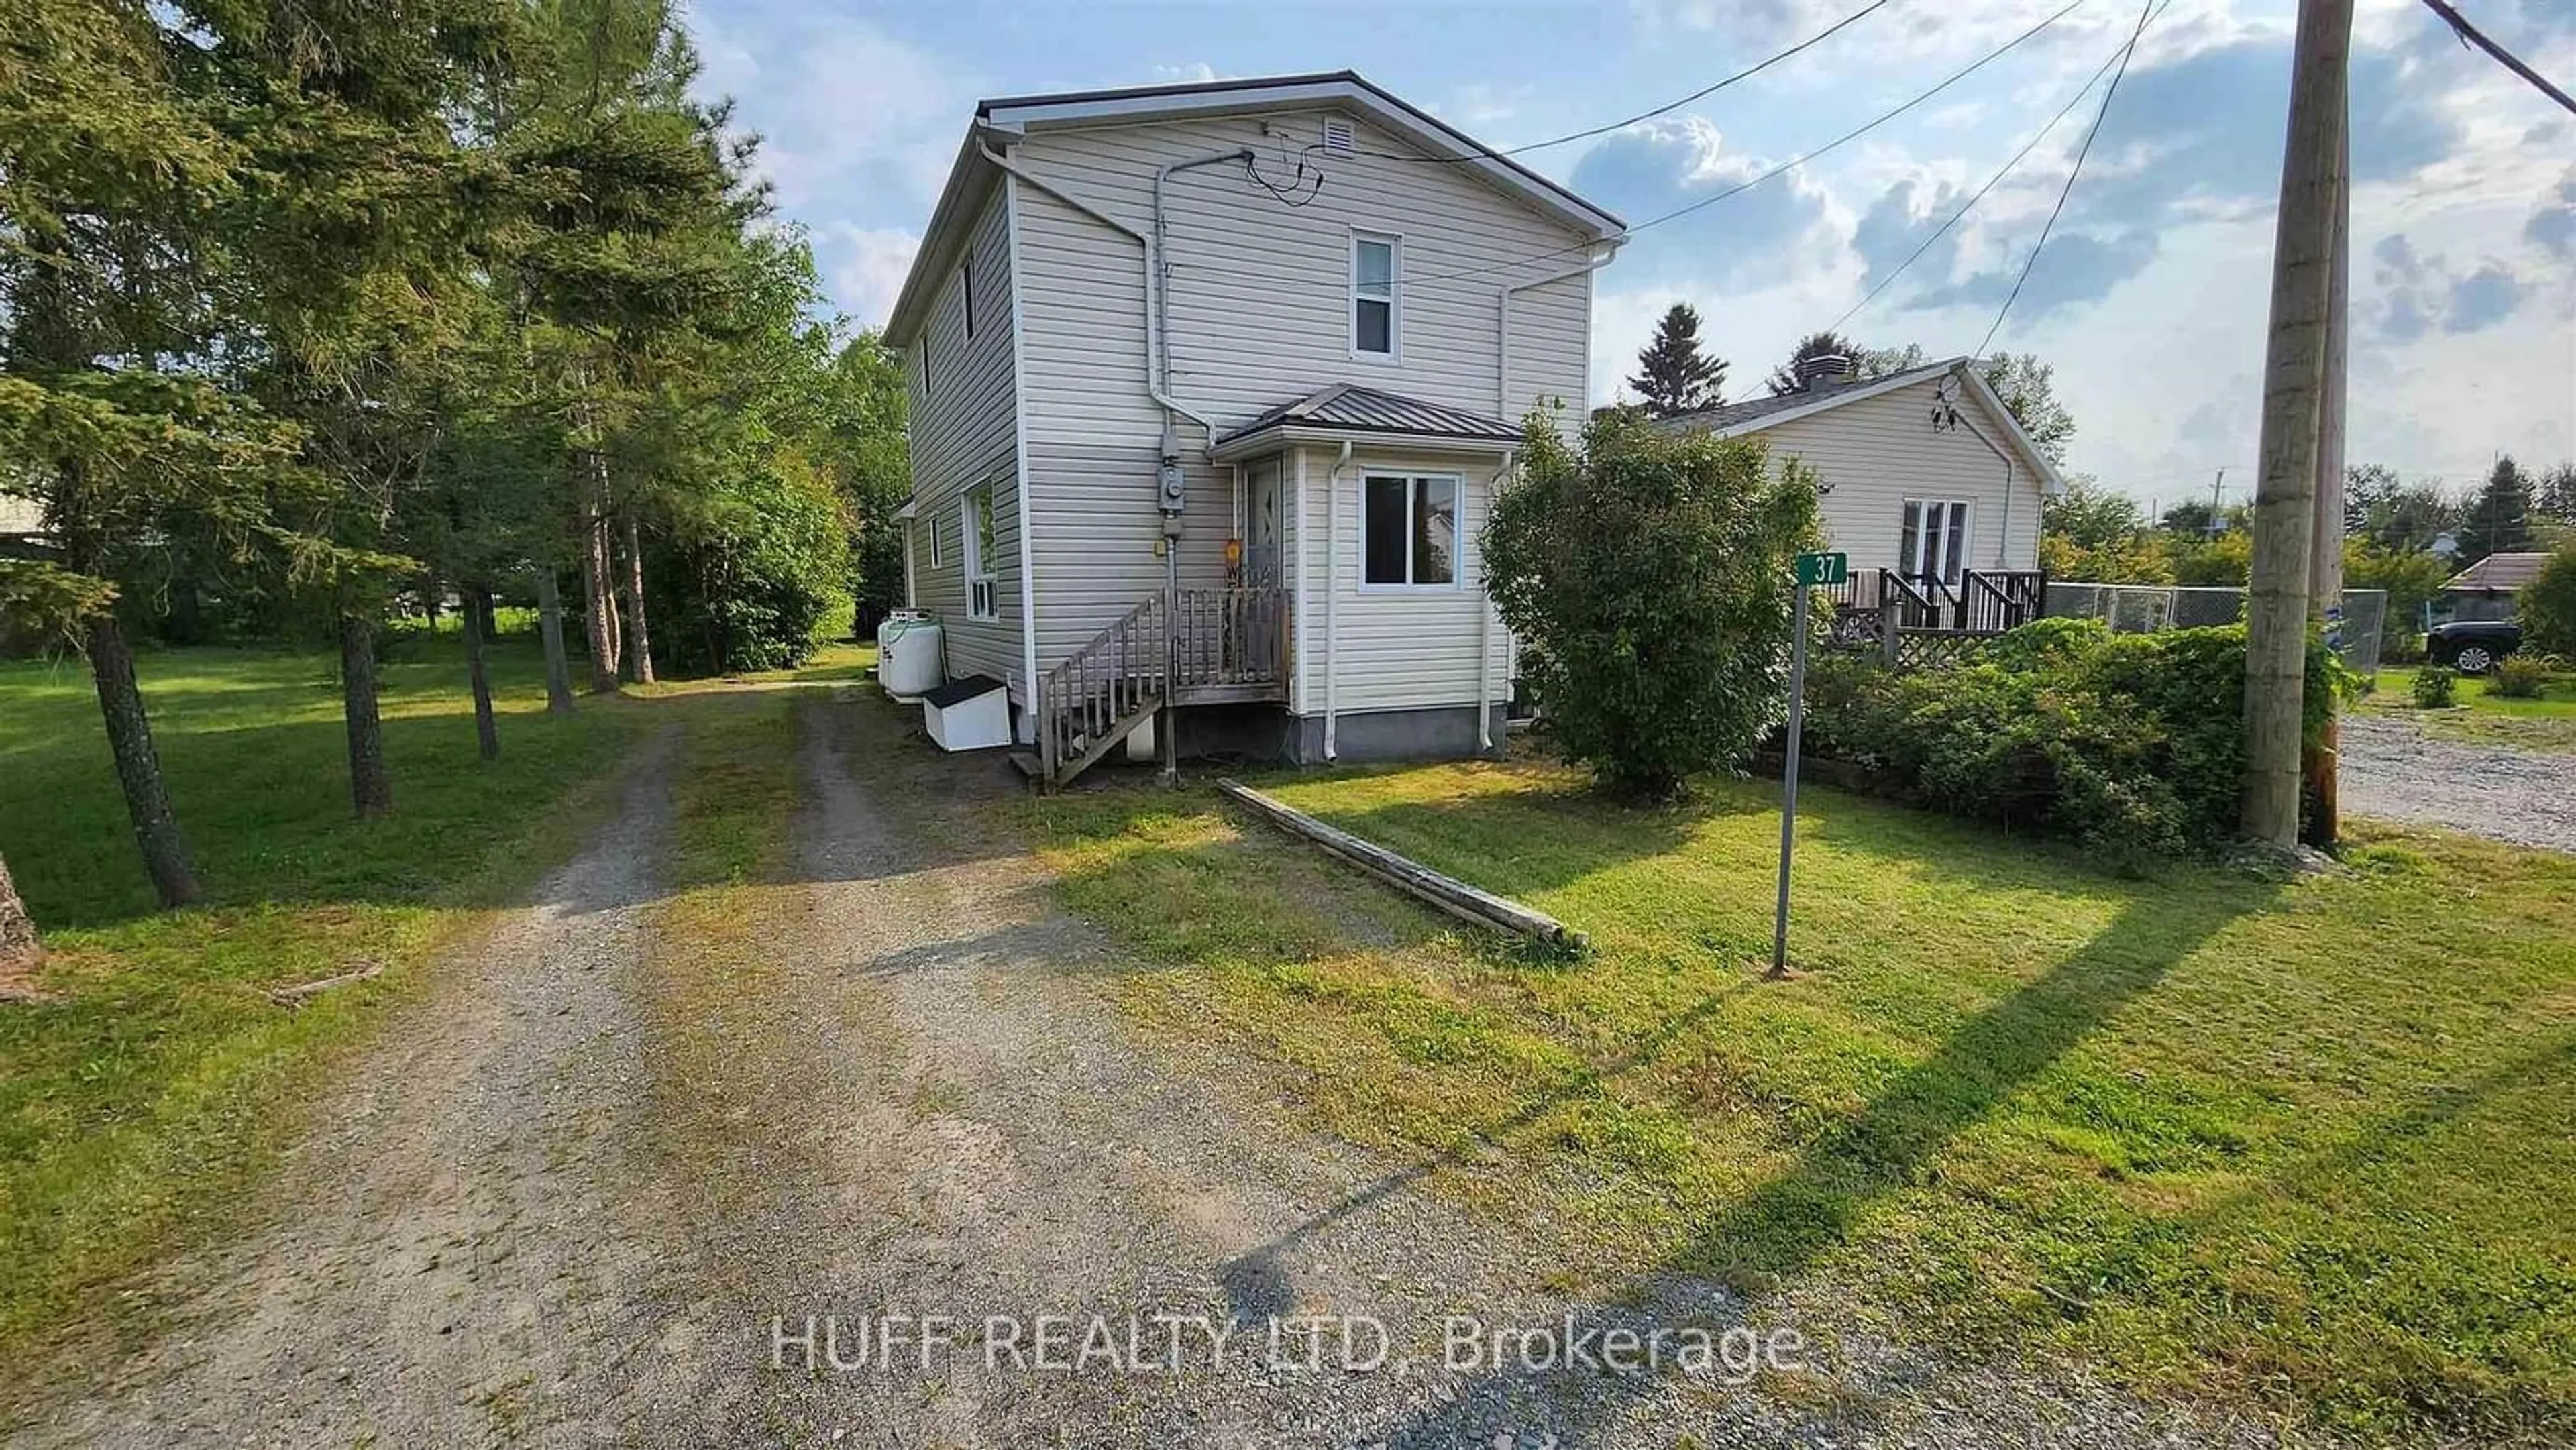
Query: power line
x=1703 y=93
x=1991 y=182
x=2145 y=11
x=1786 y=166
x=2471 y=35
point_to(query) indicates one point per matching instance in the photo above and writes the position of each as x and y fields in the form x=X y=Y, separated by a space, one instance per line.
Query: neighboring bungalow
x=2487 y=588
x=1929 y=485
x=1211 y=386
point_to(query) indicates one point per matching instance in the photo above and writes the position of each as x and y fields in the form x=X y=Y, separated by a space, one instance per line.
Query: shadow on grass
x=1782 y=1228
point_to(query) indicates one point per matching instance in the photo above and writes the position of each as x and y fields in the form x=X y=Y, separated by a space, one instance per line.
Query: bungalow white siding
x=1877 y=453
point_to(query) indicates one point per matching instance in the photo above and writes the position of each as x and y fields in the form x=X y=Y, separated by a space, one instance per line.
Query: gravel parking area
x=2393 y=770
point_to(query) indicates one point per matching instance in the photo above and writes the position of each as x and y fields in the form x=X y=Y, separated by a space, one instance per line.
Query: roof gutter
x=1503 y=323
x=1154 y=383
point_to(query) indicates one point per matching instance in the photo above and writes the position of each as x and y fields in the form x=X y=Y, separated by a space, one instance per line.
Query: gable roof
x=971 y=177
x=2500 y=573
x=1734 y=420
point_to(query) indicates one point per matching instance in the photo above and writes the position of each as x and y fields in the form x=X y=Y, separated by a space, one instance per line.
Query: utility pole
x=2325 y=571
x=2294 y=367
x=2210 y=530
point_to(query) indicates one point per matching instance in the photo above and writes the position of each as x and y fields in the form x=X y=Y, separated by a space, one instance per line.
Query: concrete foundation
x=1265 y=732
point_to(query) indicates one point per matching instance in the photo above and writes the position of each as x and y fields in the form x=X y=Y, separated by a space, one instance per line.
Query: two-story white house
x=1211 y=388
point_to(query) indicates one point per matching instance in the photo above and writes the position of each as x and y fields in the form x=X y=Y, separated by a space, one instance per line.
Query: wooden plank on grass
x=1482 y=908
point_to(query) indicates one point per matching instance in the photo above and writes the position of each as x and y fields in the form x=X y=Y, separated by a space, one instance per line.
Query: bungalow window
x=1375 y=262
x=982 y=593
x=1933 y=543
x=1409 y=532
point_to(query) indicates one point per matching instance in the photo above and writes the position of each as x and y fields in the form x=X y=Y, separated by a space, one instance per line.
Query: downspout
x=1153 y=327
x=1485 y=619
x=1332 y=591
x=2003 y=536
x=1503 y=326
x=1020 y=461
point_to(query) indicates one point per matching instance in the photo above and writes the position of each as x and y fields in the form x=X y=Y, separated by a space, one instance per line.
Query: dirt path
x=2392 y=769
x=582 y=1200
x=468 y=1222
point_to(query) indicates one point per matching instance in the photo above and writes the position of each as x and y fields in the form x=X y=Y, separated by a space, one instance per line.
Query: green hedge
x=2132 y=743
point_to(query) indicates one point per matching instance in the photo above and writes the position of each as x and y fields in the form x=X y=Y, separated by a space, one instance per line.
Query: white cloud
x=865 y=266
x=1197 y=72
x=838 y=103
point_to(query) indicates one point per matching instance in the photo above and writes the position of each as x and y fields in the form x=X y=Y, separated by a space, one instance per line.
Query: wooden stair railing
x=1097 y=696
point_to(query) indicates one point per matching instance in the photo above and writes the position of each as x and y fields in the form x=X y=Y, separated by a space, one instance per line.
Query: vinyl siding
x=1258 y=305
x=1405 y=649
x=1881 y=451
x=964 y=434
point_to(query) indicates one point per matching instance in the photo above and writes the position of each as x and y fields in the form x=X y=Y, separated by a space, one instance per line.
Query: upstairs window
x=982 y=592
x=966 y=294
x=1409 y=531
x=922 y=346
x=1375 y=262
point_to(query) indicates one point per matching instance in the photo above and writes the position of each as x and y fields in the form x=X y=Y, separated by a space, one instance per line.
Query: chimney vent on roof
x=1825 y=370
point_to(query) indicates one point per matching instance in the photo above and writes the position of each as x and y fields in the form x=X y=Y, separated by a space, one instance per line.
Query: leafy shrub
x=2548 y=605
x=2436 y=686
x=763 y=578
x=2520 y=676
x=1649 y=576
x=2133 y=744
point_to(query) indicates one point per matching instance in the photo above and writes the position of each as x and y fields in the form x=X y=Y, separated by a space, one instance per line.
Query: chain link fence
x=2146 y=608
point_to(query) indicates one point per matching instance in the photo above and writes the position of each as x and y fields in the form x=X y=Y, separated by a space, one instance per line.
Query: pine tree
x=1673 y=376
x=19 y=948
x=1784 y=378
x=2499 y=518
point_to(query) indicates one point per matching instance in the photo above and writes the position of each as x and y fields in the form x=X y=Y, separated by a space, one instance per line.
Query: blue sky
x=2149 y=299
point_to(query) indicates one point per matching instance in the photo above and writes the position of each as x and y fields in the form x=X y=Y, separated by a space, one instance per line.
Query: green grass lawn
x=2299 y=1147
x=155 y=1074
x=2547 y=722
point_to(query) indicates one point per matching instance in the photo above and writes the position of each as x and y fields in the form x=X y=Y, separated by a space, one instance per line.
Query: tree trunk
x=371 y=786
x=550 y=631
x=19 y=948
x=598 y=594
x=639 y=644
x=430 y=589
x=481 y=603
x=138 y=768
x=478 y=614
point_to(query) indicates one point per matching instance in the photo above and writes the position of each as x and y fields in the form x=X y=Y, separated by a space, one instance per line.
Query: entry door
x=1261 y=551
x=1934 y=543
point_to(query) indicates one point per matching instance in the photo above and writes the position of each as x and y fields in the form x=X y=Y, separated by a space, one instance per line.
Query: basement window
x=1409 y=531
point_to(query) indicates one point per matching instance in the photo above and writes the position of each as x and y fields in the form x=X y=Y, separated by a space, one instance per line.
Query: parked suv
x=2472 y=646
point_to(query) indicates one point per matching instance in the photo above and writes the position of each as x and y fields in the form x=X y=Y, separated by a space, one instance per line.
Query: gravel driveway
x=577 y=1197
x=2393 y=770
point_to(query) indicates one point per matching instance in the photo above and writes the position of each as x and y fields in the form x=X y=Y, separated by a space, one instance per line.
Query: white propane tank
x=908 y=654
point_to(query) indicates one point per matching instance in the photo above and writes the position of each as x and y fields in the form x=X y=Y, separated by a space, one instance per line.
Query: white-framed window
x=983 y=594
x=1377 y=294
x=966 y=294
x=1409 y=531
x=921 y=347
x=938 y=543
x=1933 y=541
